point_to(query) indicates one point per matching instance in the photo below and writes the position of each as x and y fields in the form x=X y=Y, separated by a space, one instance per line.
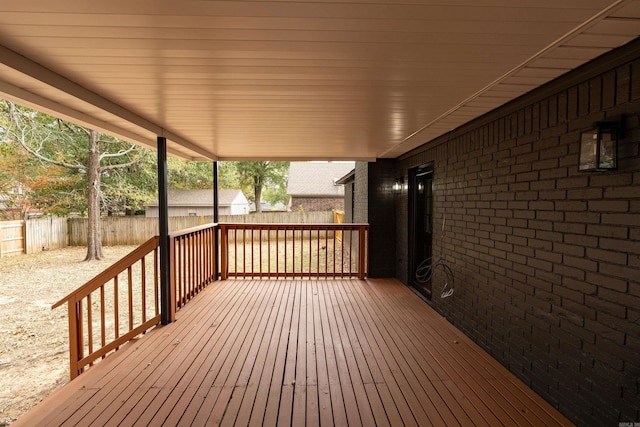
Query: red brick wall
x=546 y=258
x=316 y=204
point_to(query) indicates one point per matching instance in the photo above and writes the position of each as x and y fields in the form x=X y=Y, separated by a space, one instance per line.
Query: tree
x=255 y=176
x=127 y=190
x=19 y=175
x=276 y=194
x=199 y=175
x=85 y=153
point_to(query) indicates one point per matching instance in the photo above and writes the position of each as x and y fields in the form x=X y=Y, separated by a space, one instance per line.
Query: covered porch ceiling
x=296 y=80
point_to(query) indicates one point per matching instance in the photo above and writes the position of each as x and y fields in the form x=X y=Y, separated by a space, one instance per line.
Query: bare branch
x=21 y=137
x=119 y=153
x=118 y=166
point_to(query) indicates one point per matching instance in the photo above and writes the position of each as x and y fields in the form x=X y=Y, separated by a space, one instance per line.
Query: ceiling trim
x=618 y=4
x=54 y=80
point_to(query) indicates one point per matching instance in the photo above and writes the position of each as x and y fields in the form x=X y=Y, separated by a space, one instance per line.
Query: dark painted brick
x=585 y=335
x=580 y=181
x=601 y=330
x=607 y=256
x=583 y=217
x=573 y=250
x=584 y=194
x=552 y=195
x=621 y=219
x=552 y=216
x=615 y=298
x=557 y=172
x=549 y=256
x=570 y=227
x=568 y=271
x=581 y=263
x=570 y=205
x=623 y=91
x=611 y=231
x=609 y=89
x=584 y=287
x=622 y=192
x=606 y=180
x=609 y=205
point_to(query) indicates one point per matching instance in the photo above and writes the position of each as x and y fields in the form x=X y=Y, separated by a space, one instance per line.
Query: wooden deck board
x=299 y=352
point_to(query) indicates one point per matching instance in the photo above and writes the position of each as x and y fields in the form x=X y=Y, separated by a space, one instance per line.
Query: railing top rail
x=297 y=226
x=110 y=272
x=192 y=229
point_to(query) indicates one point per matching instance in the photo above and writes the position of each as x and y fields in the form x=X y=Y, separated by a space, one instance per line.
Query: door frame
x=426 y=168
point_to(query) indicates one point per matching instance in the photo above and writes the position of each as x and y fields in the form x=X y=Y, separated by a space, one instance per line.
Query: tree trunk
x=258 y=194
x=94 y=234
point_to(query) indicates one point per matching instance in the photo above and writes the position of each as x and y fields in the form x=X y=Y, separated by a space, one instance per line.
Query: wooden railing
x=293 y=250
x=122 y=302
x=193 y=257
x=103 y=315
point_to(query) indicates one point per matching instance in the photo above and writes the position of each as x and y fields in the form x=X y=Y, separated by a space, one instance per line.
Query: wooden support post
x=216 y=267
x=167 y=308
x=361 y=252
x=224 y=253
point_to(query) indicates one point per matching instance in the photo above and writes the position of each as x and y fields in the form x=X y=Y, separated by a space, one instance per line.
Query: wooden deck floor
x=299 y=353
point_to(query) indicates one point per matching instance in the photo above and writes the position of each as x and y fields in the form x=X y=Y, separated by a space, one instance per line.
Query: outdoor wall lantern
x=599 y=147
x=397 y=185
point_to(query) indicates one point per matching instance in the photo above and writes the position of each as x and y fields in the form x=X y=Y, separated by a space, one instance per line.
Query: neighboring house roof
x=317 y=179
x=350 y=177
x=203 y=198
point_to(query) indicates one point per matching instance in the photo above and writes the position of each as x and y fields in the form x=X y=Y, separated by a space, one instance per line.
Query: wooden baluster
x=116 y=323
x=260 y=250
x=130 y=296
x=224 y=255
x=173 y=279
x=143 y=287
x=253 y=259
x=75 y=331
x=89 y=327
x=277 y=251
x=156 y=282
x=103 y=327
x=235 y=251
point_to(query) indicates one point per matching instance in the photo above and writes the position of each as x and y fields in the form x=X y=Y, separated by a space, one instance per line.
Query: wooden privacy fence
x=33 y=235
x=134 y=230
x=131 y=230
x=46 y=234
x=11 y=237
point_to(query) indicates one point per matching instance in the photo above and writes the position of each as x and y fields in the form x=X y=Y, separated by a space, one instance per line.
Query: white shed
x=200 y=203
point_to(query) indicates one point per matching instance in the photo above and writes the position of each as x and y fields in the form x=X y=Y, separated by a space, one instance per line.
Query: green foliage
x=49 y=158
x=189 y=175
x=275 y=195
x=127 y=190
x=58 y=164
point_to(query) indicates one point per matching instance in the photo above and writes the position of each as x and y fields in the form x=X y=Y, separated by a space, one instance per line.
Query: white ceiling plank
x=295 y=79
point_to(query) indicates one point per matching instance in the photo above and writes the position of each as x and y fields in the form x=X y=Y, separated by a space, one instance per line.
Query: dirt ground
x=34 y=352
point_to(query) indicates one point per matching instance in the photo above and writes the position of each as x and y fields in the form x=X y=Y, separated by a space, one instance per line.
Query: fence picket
x=54 y=233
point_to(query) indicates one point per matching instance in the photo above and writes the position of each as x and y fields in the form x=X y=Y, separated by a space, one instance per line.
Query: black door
x=421 y=228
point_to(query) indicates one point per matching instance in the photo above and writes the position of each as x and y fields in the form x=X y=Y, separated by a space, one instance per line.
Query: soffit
x=292 y=79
